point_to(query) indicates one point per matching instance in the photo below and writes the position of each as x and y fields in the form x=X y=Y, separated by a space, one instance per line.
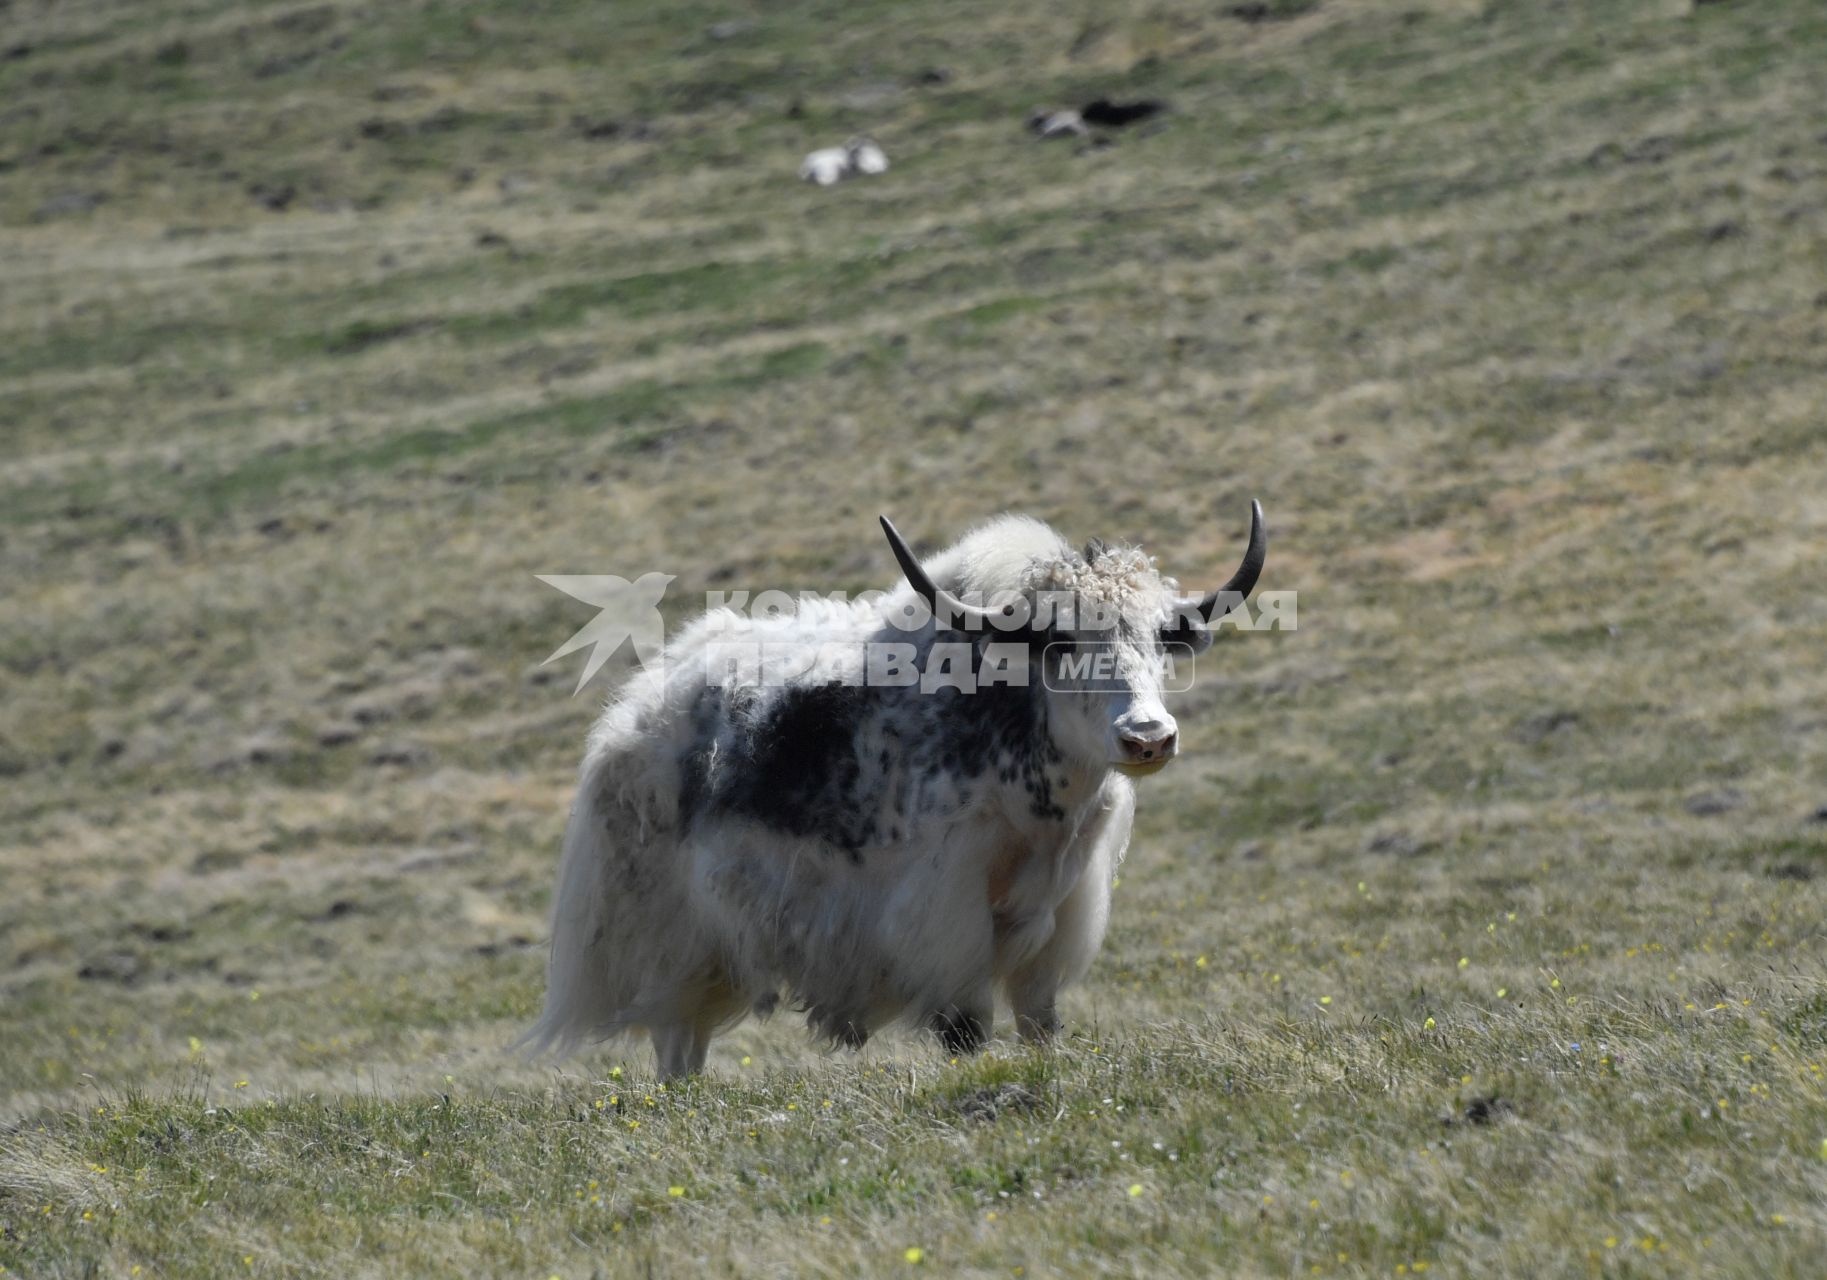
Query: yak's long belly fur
x=874 y=853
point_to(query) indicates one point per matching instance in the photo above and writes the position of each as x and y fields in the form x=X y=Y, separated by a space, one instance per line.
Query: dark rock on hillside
x=596 y=128
x=1537 y=728
x=124 y=968
x=1710 y=804
x=1254 y=11
x=255 y=750
x=337 y=733
x=1482 y=1110
x=67 y=204
x=1398 y=843
x=1116 y=115
x=403 y=753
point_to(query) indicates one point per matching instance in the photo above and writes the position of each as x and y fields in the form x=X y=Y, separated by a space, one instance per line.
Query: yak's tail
x=615 y=925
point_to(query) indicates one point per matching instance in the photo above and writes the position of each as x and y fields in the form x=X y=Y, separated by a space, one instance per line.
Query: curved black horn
x=1215 y=604
x=947 y=608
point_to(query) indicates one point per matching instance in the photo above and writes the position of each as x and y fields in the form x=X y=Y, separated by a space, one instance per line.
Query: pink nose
x=1143 y=748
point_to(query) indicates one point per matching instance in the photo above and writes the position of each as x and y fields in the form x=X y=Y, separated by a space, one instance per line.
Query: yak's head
x=1101 y=628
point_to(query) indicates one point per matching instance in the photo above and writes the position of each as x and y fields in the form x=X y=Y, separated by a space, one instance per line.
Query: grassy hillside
x=1478 y=933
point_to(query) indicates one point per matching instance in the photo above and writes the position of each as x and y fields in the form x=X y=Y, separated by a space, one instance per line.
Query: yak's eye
x=1184 y=631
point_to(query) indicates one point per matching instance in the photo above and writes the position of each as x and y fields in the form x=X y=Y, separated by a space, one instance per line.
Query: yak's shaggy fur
x=874 y=853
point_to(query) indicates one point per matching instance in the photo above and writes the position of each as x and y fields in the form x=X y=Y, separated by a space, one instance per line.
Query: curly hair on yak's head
x=1122 y=577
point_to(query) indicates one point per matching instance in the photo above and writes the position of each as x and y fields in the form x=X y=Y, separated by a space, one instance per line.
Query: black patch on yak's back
x=998 y=731
x=794 y=765
x=806 y=740
x=803 y=760
x=971 y=730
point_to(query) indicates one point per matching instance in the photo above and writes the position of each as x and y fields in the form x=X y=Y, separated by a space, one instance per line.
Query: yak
x=887 y=809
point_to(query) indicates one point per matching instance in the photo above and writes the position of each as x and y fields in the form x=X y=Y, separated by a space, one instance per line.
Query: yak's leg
x=939 y=931
x=1039 y=1023
x=964 y=1027
x=682 y=1045
x=1078 y=926
x=678 y=1050
x=1077 y=932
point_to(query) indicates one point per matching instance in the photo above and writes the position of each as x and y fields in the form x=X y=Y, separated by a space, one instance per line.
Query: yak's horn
x=1215 y=604
x=947 y=608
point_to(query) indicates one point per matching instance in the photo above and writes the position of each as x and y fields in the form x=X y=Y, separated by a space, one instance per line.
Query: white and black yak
x=922 y=806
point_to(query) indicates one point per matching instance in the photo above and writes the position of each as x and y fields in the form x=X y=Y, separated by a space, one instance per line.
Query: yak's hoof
x=1038 y=1028
x=851 y=1036
x=961 y=1031
x=840 y=1030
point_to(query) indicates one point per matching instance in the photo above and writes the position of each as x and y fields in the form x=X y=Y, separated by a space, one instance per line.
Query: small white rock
x=858 y=157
